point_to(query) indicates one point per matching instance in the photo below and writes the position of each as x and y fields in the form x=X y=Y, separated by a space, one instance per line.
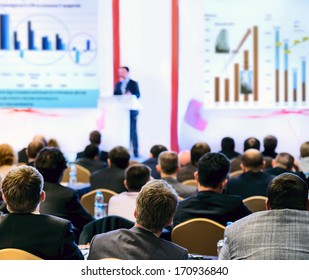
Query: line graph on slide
x=256 y=56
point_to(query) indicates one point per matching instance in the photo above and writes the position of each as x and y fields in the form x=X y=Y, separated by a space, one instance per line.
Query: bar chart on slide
x=50 y=56
x=256 y=57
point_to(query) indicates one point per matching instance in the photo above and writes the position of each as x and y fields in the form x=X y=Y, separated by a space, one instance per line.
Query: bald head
x=252 y=159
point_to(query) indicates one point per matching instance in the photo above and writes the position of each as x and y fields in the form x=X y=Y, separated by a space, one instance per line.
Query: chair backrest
x=83 y=174
x=191 y=182
x=87 y=200
x=17 y=254
x=199 y=236
x=255 y=203
x=104 y=224
x=235 y=173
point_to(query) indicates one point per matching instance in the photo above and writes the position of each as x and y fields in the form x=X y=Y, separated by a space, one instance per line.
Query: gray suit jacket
x=182 y=190
x=134 y=244
x=268 y=235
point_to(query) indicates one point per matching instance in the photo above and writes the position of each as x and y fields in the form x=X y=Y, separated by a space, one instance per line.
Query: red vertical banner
x=174 y=76
x=116 y=39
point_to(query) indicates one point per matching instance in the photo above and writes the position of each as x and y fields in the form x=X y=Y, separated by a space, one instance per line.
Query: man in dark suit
x=45 y=236
x=168 y=166
x=128 y=86
x=95 y=139
x=61 y=201
x=285 y=162
x=253 y=181
x=113 y=176
x=155 y=208
x=212 y=173
x=152 y=161
x=90 y=159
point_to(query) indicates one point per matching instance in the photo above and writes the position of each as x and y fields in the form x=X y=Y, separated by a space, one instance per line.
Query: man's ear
x=158 y=168
x=42 y=196
x=125 y=183
x=3 y=197
x=196 y=176
x=267 y=204
x=108 y=162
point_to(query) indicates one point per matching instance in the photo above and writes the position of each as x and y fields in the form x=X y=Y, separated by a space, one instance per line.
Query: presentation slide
x=48 y=53
x=255 y=53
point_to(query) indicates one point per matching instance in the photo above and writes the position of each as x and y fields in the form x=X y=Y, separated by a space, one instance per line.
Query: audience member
x=60 y=201
x=155 y=207
x=90 y=159
x=123 y=204
x=304 y=158
x=168 y=166
x=33 y=149
x=281 y=233
x=52 y=142
x=113 y=176
x=95 y=139
x=8 y=159
x=249 y=143
x=45 y=236
x=253 y=180
x=22 y=155
x=270 y=144
x=197 y=150
x=285 y=162
x=212 y=173
x=184 y=158
x=228 y=148
x=152 y=161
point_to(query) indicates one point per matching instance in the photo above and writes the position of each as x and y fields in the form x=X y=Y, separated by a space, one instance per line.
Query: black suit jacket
x=221 y=208
x=91 y=164
x=103 y=156
x=132 y=87
x=152 y=163
x=249 y=184
x=45 y=236
x=278 y=170
x=111 y=178
x=64 y=202
x=134 y=244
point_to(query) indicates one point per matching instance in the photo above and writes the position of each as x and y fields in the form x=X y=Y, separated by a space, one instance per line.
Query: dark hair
x=22 y=188
x=126 y=68
x=197 y=151
x=212 y=169
x=304 y=149
x=95 y=137
x=120 y=157
x=51 y=163
x=157 y=149
x=270 y=142
x=168 y=162
x=137 y=175
x=252 y=143
x=285 y=160
x=91 y=151
x=287 y=191
x=227 y=144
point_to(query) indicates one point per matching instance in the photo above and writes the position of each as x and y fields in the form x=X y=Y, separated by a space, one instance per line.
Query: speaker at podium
x=116 y=130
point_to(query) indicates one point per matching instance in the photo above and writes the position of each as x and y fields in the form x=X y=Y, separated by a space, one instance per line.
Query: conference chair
x=83 y=174
x=87 y=200
x=199 y=236
x=191 y=182
x=255 y=203
x=102 y=225
x=17 y=254
x=235 y=173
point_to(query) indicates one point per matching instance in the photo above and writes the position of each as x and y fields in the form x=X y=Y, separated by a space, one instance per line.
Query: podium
x=116 y=108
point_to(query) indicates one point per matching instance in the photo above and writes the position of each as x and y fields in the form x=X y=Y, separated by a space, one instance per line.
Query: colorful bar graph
x=295 y=85
x=16 y=42
x=246 y=67
x=277 y=61
x=286 y=75
x=303 y=79
x=217 y=89
x=236 y=82
x=5 y=32
x=227 y=90
x=88 y=45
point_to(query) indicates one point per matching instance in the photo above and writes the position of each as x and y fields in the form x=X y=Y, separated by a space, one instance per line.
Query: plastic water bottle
x=99 y=205
x=72 y=175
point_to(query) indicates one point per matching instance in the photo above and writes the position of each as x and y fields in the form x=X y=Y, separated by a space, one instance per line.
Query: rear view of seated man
x=123 y=204
x=155 y=208
x=279 y=233
x=45 y=236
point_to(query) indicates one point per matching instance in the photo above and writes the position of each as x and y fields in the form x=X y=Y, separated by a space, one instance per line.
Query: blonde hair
x=7 y=155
